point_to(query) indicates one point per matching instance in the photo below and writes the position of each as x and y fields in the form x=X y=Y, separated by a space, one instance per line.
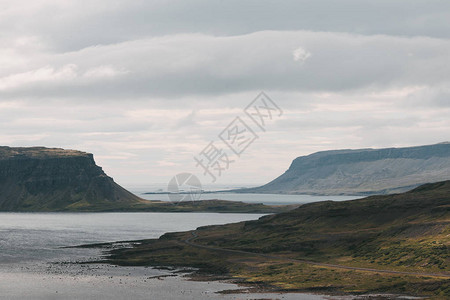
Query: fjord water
x=35 y=265
x=40 y=236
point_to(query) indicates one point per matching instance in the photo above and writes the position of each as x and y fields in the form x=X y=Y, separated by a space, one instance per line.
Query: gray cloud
x=181 y=65
x=145 y=85
x=72 y=25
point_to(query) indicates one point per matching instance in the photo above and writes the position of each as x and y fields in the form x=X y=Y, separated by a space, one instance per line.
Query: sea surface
x=34 y=264
x=28 y=237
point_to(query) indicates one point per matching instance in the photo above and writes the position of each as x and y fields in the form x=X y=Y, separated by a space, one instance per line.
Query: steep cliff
x=44 y=179
x=363 y=171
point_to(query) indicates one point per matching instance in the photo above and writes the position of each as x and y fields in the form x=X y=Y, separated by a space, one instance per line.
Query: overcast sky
x=147 y=85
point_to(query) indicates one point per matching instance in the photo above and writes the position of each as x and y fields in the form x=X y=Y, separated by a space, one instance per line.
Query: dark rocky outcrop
x=363 y=171
x=44 y=179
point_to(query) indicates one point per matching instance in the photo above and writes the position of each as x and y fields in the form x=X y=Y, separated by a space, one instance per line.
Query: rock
x=44 y=179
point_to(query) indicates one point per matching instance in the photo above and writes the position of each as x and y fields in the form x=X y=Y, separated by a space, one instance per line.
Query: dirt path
x=194 y=236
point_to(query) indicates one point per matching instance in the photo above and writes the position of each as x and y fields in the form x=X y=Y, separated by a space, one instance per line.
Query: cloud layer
x=191 y=64
x=146 y=86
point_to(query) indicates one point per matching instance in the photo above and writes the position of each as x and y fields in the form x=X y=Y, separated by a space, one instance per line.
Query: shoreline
x=201 y=274
x=105 y=281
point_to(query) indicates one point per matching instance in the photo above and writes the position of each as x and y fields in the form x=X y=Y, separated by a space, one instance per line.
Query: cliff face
x=43 y=179
x=364 y=171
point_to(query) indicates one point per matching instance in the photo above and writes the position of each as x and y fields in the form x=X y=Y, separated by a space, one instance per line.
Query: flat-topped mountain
x=362 y=171
x=44 y=179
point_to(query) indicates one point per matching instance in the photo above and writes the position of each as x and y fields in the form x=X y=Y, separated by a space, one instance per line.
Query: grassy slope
x=404 y=232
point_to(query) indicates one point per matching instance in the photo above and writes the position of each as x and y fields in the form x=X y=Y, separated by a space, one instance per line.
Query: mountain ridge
x=39 y=179
x=362 y=171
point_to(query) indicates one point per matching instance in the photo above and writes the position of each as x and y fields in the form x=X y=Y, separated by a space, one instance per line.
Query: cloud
x=300 y=54
x=145 y=85
x=198 y=64
x=73 y=25
x=48 y=77
x=102 y=72
x=41 y=75
x=144 y=142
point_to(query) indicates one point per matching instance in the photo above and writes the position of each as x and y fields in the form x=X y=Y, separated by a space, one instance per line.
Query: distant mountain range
x=362 y=171
x=52 y=179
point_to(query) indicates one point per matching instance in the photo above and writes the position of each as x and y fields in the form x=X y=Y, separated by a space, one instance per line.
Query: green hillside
x=327 y=246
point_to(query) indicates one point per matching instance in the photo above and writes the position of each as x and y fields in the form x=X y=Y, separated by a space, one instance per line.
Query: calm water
x=40 y=236
x=34 y=266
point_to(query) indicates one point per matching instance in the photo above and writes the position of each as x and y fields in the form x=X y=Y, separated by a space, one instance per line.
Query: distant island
x=395 y=244
x=362 y=171
x=38 y=179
